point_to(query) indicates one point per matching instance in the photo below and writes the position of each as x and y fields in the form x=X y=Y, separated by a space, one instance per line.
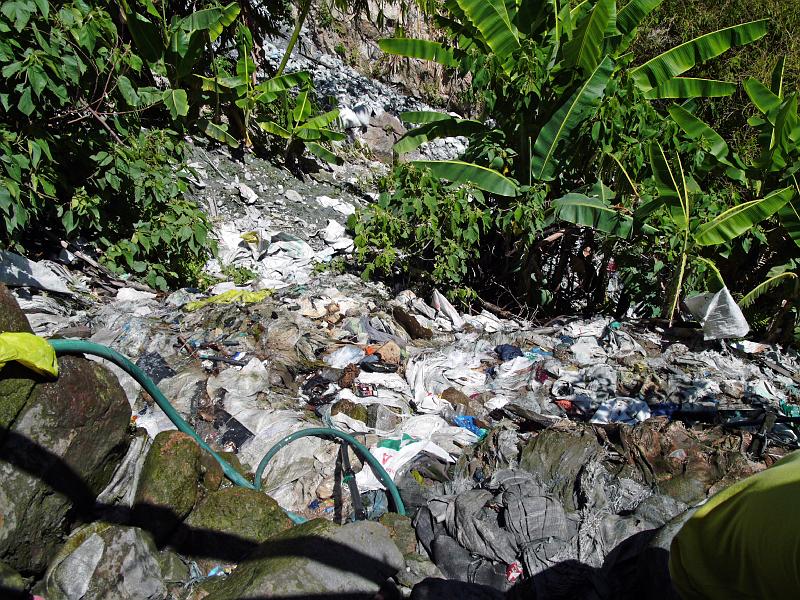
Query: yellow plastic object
x=229 y=297
x=743 y=542
x=29 y=350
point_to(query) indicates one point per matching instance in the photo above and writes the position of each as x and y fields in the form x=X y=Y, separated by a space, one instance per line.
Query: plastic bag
x=393 y=454
x=229 y=297
x=29 y=350
x=719 y=315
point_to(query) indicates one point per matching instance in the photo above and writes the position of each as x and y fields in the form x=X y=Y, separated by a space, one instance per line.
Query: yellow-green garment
x=745 y=541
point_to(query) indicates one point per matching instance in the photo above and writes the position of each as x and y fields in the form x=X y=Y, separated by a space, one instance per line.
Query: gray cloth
x=476 y=527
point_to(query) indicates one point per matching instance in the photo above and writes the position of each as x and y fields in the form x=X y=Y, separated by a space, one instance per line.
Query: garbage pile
x=529 y=455
x=539 y=459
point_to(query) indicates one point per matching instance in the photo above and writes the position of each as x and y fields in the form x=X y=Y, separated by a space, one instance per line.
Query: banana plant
x=676 y=192
x=778 y=276
x=785 y=277
x=299 y=128
x=583 y=49
x=778 y=162
x=242 y=91
x=177 y=43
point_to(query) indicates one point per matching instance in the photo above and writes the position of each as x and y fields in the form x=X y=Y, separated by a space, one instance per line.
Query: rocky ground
x=532 y=460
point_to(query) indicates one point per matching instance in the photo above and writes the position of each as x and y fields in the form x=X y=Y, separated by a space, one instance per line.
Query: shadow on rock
x=329 y=552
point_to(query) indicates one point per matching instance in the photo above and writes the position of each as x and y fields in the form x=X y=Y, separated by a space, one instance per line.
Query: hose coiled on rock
x=63 y=347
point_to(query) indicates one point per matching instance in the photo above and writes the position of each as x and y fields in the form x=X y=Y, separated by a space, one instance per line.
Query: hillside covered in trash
x=287 y=312
x=528 y=456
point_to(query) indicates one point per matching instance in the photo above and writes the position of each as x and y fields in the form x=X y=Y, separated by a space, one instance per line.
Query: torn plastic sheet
x=443 y=306
x=719 y=315
x=18 y=271
x=386 y=397
x=432 y=373
x=587 y=351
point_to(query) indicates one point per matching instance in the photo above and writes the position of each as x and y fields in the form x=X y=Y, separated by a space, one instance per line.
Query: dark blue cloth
x=507 y=352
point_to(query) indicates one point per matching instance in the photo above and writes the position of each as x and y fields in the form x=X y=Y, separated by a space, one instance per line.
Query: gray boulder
x=315 y=559
x=60 y=442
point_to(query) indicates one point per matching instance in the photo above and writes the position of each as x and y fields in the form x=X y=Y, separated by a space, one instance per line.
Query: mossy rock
x=213 y=475
x=10 y=580
x=11 y=316
x=230 y=523
x=15 y=382
x=61 y=441
x=315 y=559
x=401 y=531
x=167 y=489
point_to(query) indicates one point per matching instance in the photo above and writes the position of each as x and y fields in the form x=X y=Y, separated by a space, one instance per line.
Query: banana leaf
x=585 y=48
x=580 y=106
x=493 y=21
x=697 y=129
x=531 y=16
x=776 y=81
x=218 y=132
x=672 y=191
x=764 y=287
x=145 y=35
x=322 y=120
x=419 y=117
x=422 y=49
x=482 y=178
x=680 y=59
x=691 y=87
x=213 y=20
x=776 y=157
x=762 y=97
x=740 y=219
x=632 y=14
x=318 y=133
x=302 y=106
x=593 y=212
x=790 y=218
x=323 y=153
x=437 y=129
x=284 y=82
x=274 y=129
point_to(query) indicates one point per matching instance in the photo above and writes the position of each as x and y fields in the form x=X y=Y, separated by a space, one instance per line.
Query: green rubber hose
x=83 y=347
x=373 y=462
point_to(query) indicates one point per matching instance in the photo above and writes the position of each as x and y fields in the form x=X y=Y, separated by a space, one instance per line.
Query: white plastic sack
x=719 y=315
x=444 y=307
x=393 y=454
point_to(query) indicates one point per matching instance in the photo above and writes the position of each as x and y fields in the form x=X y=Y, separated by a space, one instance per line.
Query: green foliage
x=80 y=147
x=297 y=126
x=420 y=225
x=677 y=21
x=239 y=275
x=563 y=102
x=541 y=74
